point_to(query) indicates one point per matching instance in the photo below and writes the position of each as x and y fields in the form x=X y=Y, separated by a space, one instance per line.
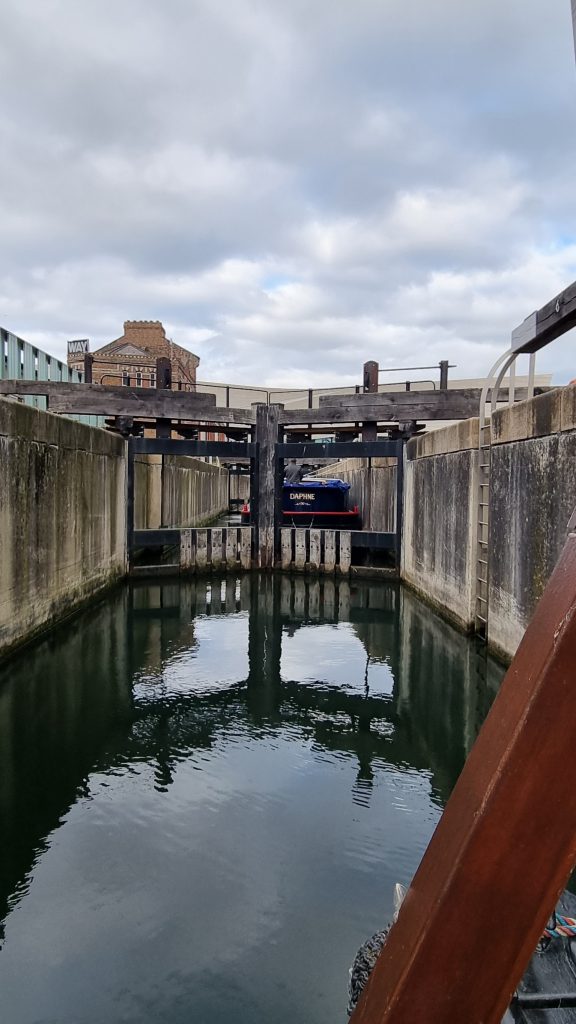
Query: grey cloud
x=293 y=187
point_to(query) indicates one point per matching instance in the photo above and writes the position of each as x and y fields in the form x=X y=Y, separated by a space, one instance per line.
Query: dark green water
x=208 y=790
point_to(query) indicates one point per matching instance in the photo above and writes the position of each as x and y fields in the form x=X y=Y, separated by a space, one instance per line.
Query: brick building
x=131 y=359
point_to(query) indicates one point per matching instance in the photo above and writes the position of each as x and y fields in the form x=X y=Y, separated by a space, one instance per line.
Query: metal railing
x=19 y=360
x=242 y=396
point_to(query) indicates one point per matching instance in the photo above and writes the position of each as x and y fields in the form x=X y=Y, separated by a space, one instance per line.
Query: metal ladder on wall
x=492 y=384
x=482 y=527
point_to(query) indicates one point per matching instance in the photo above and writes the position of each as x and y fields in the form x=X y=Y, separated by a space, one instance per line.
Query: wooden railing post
x=399 y=503
x=163 y=383
x=504 y=847
x=163 y=373
x=444 y=366
x=266 y=436
x=371 y=370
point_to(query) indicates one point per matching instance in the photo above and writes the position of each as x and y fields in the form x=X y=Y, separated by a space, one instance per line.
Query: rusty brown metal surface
x=504 y=847
x=371 y=376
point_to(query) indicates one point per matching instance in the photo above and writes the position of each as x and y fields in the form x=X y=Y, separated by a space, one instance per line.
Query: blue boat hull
x=322 y=503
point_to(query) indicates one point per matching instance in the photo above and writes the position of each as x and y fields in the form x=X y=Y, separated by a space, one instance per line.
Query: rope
x=365 y=959
x=564 y=927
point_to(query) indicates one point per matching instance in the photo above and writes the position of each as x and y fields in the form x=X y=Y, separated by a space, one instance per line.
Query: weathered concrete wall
x=532 y=496
x=62 y=517
x=372 y=488
x=182 y=492
x=240 y=487
x=147 y=492
x=193 y=492
x=439 y=526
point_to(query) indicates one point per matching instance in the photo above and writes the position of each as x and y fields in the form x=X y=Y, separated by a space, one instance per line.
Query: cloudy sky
x=291 y=186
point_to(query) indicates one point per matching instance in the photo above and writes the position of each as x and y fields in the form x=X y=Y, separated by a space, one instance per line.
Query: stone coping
x=458 y=437
x=178 y=462
x=353 y=465
x=551 y=413
x=23 y=422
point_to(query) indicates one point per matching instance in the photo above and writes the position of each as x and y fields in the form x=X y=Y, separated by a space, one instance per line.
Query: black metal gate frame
x=350 y=450
x=249 y=450
x=172 y=446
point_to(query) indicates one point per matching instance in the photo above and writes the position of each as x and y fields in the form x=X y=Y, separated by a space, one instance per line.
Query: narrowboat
x=316 y=502
x=547 y=992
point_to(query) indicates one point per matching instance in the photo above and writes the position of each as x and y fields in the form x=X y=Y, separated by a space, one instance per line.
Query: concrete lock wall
x=194 y=492
x=240 y=487
x=532 y=496
x=63 y=506
x=147 y=492
x=372 y=488
x=439 y=526
x=180 y=491
x=62 y=517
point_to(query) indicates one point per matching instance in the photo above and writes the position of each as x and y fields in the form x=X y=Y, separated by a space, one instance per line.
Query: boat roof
x=334 y=483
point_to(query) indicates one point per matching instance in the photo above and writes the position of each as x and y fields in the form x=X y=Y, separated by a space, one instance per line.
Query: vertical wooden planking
x=300 y=548
x=329 y=550
x=315 y=549
x=201 y=549
x=231 y=547
x=399 y=503
x=267 y=420
x=246 y=547
x=216 y=545
x=186 y=549
x=286 y=546
x=130 y=482
x=345 y=550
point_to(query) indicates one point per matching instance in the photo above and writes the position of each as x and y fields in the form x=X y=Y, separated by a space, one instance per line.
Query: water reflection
x=216 y=766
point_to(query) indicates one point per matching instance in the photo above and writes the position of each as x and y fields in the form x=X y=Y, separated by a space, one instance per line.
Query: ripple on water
x=195 y=835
